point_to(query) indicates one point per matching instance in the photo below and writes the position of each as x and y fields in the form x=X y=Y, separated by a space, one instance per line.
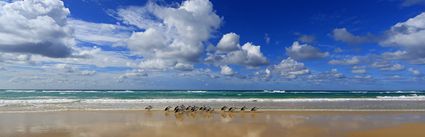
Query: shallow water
x=60 y=100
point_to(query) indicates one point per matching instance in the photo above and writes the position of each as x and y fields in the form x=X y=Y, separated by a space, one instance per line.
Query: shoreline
x=219 y=111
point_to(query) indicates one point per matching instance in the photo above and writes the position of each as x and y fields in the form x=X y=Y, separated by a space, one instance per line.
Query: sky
x=212 y=44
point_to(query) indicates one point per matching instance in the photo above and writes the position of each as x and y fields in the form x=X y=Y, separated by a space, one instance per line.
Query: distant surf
x=23 y=100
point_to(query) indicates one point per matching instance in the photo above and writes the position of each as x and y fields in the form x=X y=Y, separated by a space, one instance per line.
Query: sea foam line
x=102 y=101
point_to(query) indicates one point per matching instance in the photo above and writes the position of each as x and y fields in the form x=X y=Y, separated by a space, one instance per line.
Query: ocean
x=58 y=100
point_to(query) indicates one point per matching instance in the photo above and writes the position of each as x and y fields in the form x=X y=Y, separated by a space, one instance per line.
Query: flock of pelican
x=183 y=108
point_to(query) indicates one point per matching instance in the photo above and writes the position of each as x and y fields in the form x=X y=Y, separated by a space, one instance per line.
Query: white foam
x=113 y=101
x=120 y=91
x=274 y=91
x=22 y=91
x=196 y=91
x=70 y=91
x=226 y=100
x=38 y=101
x=413 y=96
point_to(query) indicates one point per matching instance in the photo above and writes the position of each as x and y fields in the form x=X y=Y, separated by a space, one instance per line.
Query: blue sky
x=202 y=44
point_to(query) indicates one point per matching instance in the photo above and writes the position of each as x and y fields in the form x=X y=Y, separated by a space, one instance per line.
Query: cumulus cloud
x=229 y=51
x=226 y=70
x=172 y=34
x=229 y=42
x=408 y=36
x=35 y=27
x=304 y=52
x=289 y=68
x=342 y=34
x=351 y=61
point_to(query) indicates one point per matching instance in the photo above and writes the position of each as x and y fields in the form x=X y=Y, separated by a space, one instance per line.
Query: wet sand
x=217 y=124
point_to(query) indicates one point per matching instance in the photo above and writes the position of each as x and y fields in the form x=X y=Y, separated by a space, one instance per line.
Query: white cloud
x=134 y=74
x=93 y=56
x=395 y=55
x=16 y=58
x=358 y=70
x=64 y=69
x=226 y=70
x=229 y=42
x=415 y=72
x=382 y=65
x=88 y=72
x=147 y=43
x=184 y=67
x=35 y=27
x=247 y=55
x=326 y=76
x=304 y=52
x=342 y=34
x=363 y=77
x=409 y=36
x=289 y=68
x=173 y=35
x=352 y=61
x=100 y=33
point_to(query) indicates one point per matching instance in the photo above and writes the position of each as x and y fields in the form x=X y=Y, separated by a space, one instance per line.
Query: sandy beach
x=137 y=123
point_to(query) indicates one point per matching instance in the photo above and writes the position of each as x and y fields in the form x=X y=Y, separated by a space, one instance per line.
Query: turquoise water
x=58 y=100
x=210 y=94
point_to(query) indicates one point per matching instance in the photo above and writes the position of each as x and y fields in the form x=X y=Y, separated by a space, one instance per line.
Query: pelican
x=254 y=109
x=148 y=107
x=167 y=108
x=223 y=108
x=243 y=108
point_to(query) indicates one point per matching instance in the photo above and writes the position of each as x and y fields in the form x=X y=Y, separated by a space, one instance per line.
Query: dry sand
x=218 y=124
